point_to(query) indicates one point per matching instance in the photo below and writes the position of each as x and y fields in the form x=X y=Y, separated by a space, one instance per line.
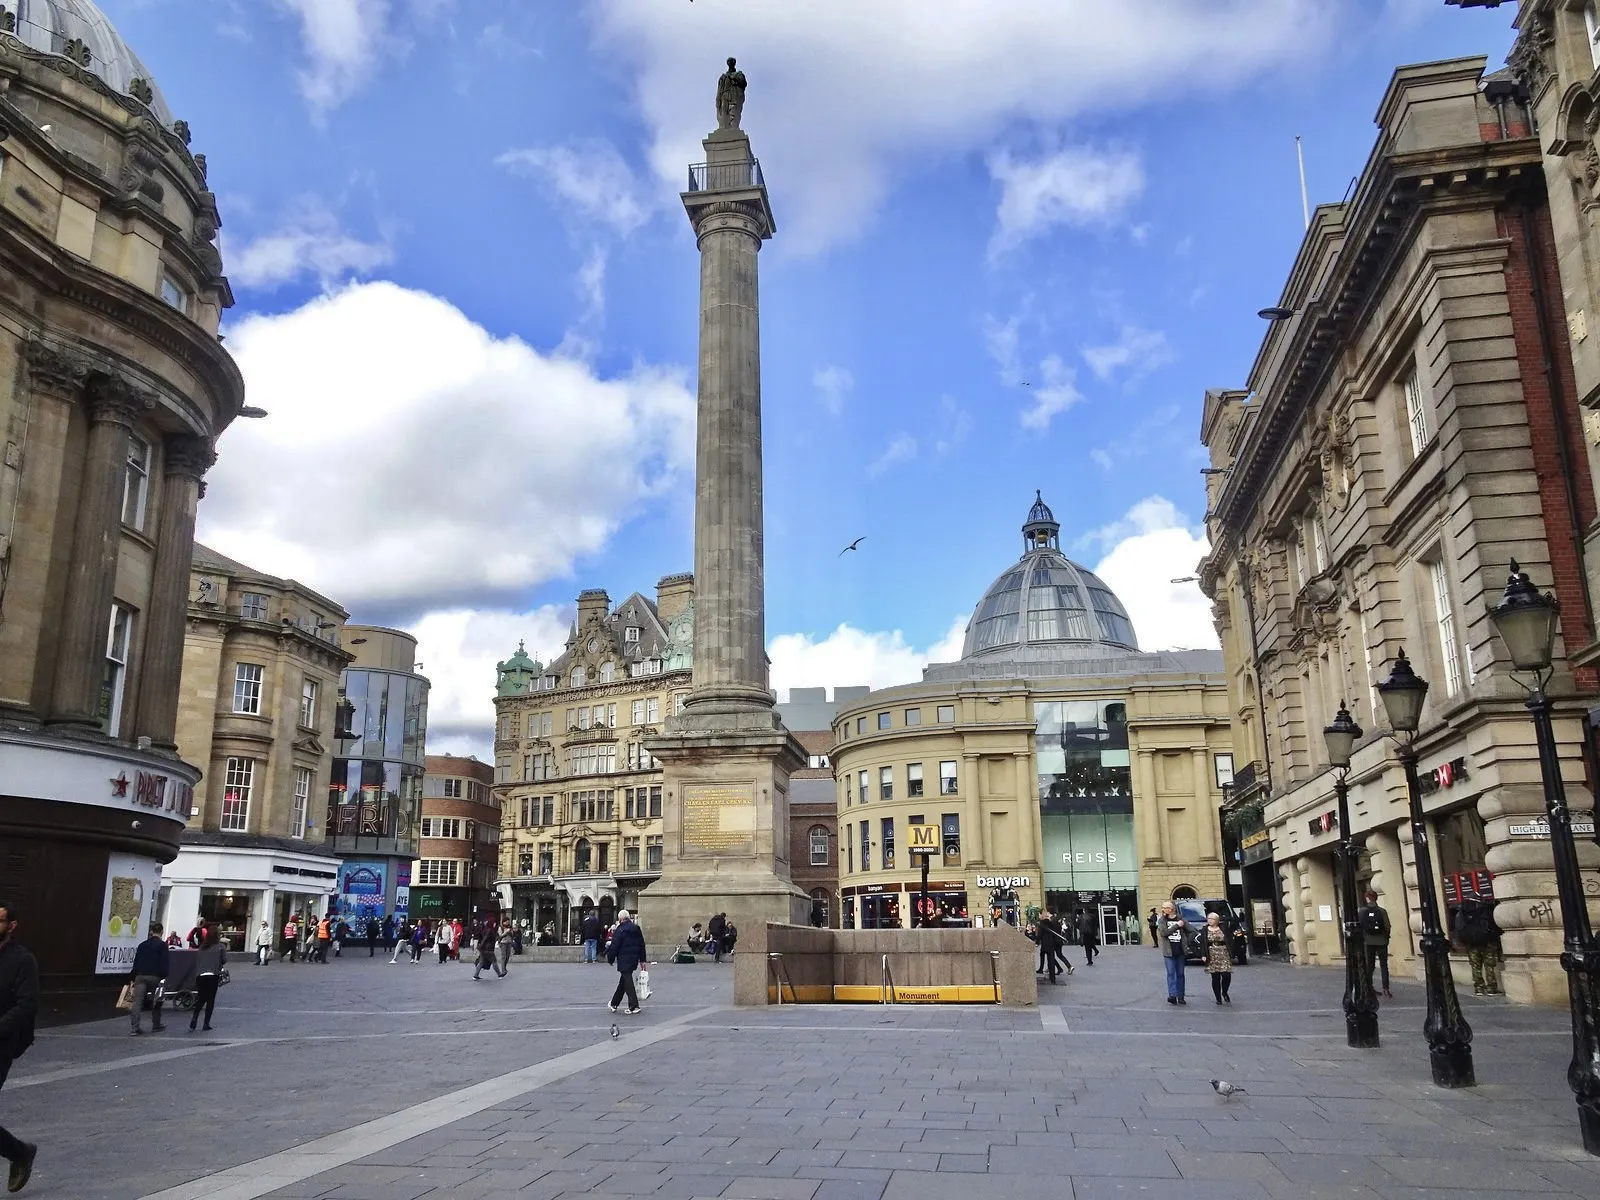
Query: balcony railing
x=725 y=177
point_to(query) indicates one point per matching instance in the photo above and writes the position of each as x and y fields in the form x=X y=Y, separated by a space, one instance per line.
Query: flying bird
x=852 y=545
x=613 y=1033
x=1227 y=1090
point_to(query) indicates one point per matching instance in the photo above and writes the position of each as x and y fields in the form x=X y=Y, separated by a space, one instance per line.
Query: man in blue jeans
x=591 y=931
x=1169 y=936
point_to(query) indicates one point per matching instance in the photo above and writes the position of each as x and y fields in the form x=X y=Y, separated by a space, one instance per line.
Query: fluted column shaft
x=730 y=606
x=91 y=577
x=161 y=665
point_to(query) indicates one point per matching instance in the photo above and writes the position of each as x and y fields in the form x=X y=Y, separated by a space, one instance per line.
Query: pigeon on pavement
x=1227 y=1090
x=613 y=1033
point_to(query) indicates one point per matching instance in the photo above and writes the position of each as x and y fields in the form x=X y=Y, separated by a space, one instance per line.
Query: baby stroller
x=179 y=986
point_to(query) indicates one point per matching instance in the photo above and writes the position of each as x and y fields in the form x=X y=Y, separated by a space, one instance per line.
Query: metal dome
x=1046 y=599
x=48 y=25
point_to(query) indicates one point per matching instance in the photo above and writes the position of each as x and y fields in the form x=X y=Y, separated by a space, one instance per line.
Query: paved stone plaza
x=365 y=1080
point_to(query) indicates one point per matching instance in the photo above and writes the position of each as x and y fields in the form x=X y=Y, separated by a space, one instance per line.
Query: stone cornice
x=1400 y=193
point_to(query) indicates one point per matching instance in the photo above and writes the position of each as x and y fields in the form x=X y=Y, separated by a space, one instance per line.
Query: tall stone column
x=726 y=757
x=91 y=577
x=973 y=852
x=187 y=459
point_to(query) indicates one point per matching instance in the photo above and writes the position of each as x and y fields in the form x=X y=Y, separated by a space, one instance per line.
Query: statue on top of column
x=730 y=97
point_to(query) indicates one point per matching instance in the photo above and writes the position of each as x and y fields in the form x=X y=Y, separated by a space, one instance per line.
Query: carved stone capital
x=55 y=371
x=186 y=454
x=1529 y=58
x=115 y=401
x=741 y=216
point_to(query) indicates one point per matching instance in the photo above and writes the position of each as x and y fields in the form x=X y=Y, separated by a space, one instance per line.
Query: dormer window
x=175 y=294
x=631 y=634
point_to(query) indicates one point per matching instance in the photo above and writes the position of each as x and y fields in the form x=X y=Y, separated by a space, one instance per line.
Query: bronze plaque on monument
x=719 y=818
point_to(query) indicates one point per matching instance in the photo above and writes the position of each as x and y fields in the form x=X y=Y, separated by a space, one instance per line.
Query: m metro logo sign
x=924 y=838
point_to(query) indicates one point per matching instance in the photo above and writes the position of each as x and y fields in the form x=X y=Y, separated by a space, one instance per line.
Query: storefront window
x=1462 y=851
x=881 y=911
x=228 y=913
x=950 y=828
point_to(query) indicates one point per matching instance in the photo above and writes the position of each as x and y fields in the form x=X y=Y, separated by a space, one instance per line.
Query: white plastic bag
x=644 y=983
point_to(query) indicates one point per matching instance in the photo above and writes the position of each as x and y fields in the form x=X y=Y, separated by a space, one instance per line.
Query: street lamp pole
x=1449 y=1036
x=1526 y=623
x=1360 y=1001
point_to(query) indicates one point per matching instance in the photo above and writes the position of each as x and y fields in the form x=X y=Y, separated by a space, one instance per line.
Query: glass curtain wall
x=1086 y=805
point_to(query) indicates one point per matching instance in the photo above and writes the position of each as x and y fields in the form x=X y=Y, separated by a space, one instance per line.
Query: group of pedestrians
x=1053 y=934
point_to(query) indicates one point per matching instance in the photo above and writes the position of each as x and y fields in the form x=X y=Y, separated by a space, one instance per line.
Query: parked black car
x=1194 y=914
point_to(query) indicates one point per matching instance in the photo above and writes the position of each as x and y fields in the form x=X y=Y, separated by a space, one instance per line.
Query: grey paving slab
x=355 y=1073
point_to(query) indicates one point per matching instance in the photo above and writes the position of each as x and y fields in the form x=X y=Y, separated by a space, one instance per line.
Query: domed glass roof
x=48 y=25
x=1046 y=599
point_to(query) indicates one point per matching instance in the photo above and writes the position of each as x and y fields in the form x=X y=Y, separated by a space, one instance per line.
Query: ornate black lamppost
x=1526 y=623
x=1449 y=1036
x=1360 y=1001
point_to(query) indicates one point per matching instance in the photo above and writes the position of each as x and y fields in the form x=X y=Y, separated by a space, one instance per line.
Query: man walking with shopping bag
x=627 y=951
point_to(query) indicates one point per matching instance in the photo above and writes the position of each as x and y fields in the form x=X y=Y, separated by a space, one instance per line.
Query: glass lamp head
x=1403 y=693
x=1526 y=622
x=1341 y=737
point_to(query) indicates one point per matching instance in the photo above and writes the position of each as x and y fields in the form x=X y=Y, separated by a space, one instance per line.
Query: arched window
x=606 y=672
x=1183 y=892
x=819 y=845
x=583 y=857
x=579 y=677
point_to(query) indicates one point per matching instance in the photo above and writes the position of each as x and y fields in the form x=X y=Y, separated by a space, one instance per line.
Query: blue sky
x=1017 y=240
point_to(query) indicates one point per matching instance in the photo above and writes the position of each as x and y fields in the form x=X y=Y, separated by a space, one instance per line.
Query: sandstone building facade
x=580 y=797
x=1406 y=431
x=1061 y=765
x=113 y=390
x=261 y=664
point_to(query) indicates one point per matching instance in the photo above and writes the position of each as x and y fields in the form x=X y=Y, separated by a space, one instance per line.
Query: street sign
x=924 y=839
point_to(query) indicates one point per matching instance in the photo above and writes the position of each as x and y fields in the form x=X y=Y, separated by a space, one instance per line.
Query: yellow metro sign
x=924 y=839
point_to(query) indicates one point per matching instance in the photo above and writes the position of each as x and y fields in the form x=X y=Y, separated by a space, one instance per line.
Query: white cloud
x=459 y=648
x=852 y=656
x=309 y=243
x=1054 y=392
x=591 y=178
x=833 y=384
x=412 y=460
x=1136 y=352
x=1154 y=433
x=1144 y=550
x=844 y=96
x=1074 y=186
x=952 y=423
x=903 y=448
x=344 y=40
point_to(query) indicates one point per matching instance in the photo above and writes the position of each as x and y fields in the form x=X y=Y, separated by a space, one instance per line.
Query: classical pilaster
x=1029 y=842
x=186 y=460
x=91 y=577
x=53 y=389
x=973 y=833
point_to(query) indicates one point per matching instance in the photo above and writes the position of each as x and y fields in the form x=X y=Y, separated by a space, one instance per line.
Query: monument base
x=726 y=771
